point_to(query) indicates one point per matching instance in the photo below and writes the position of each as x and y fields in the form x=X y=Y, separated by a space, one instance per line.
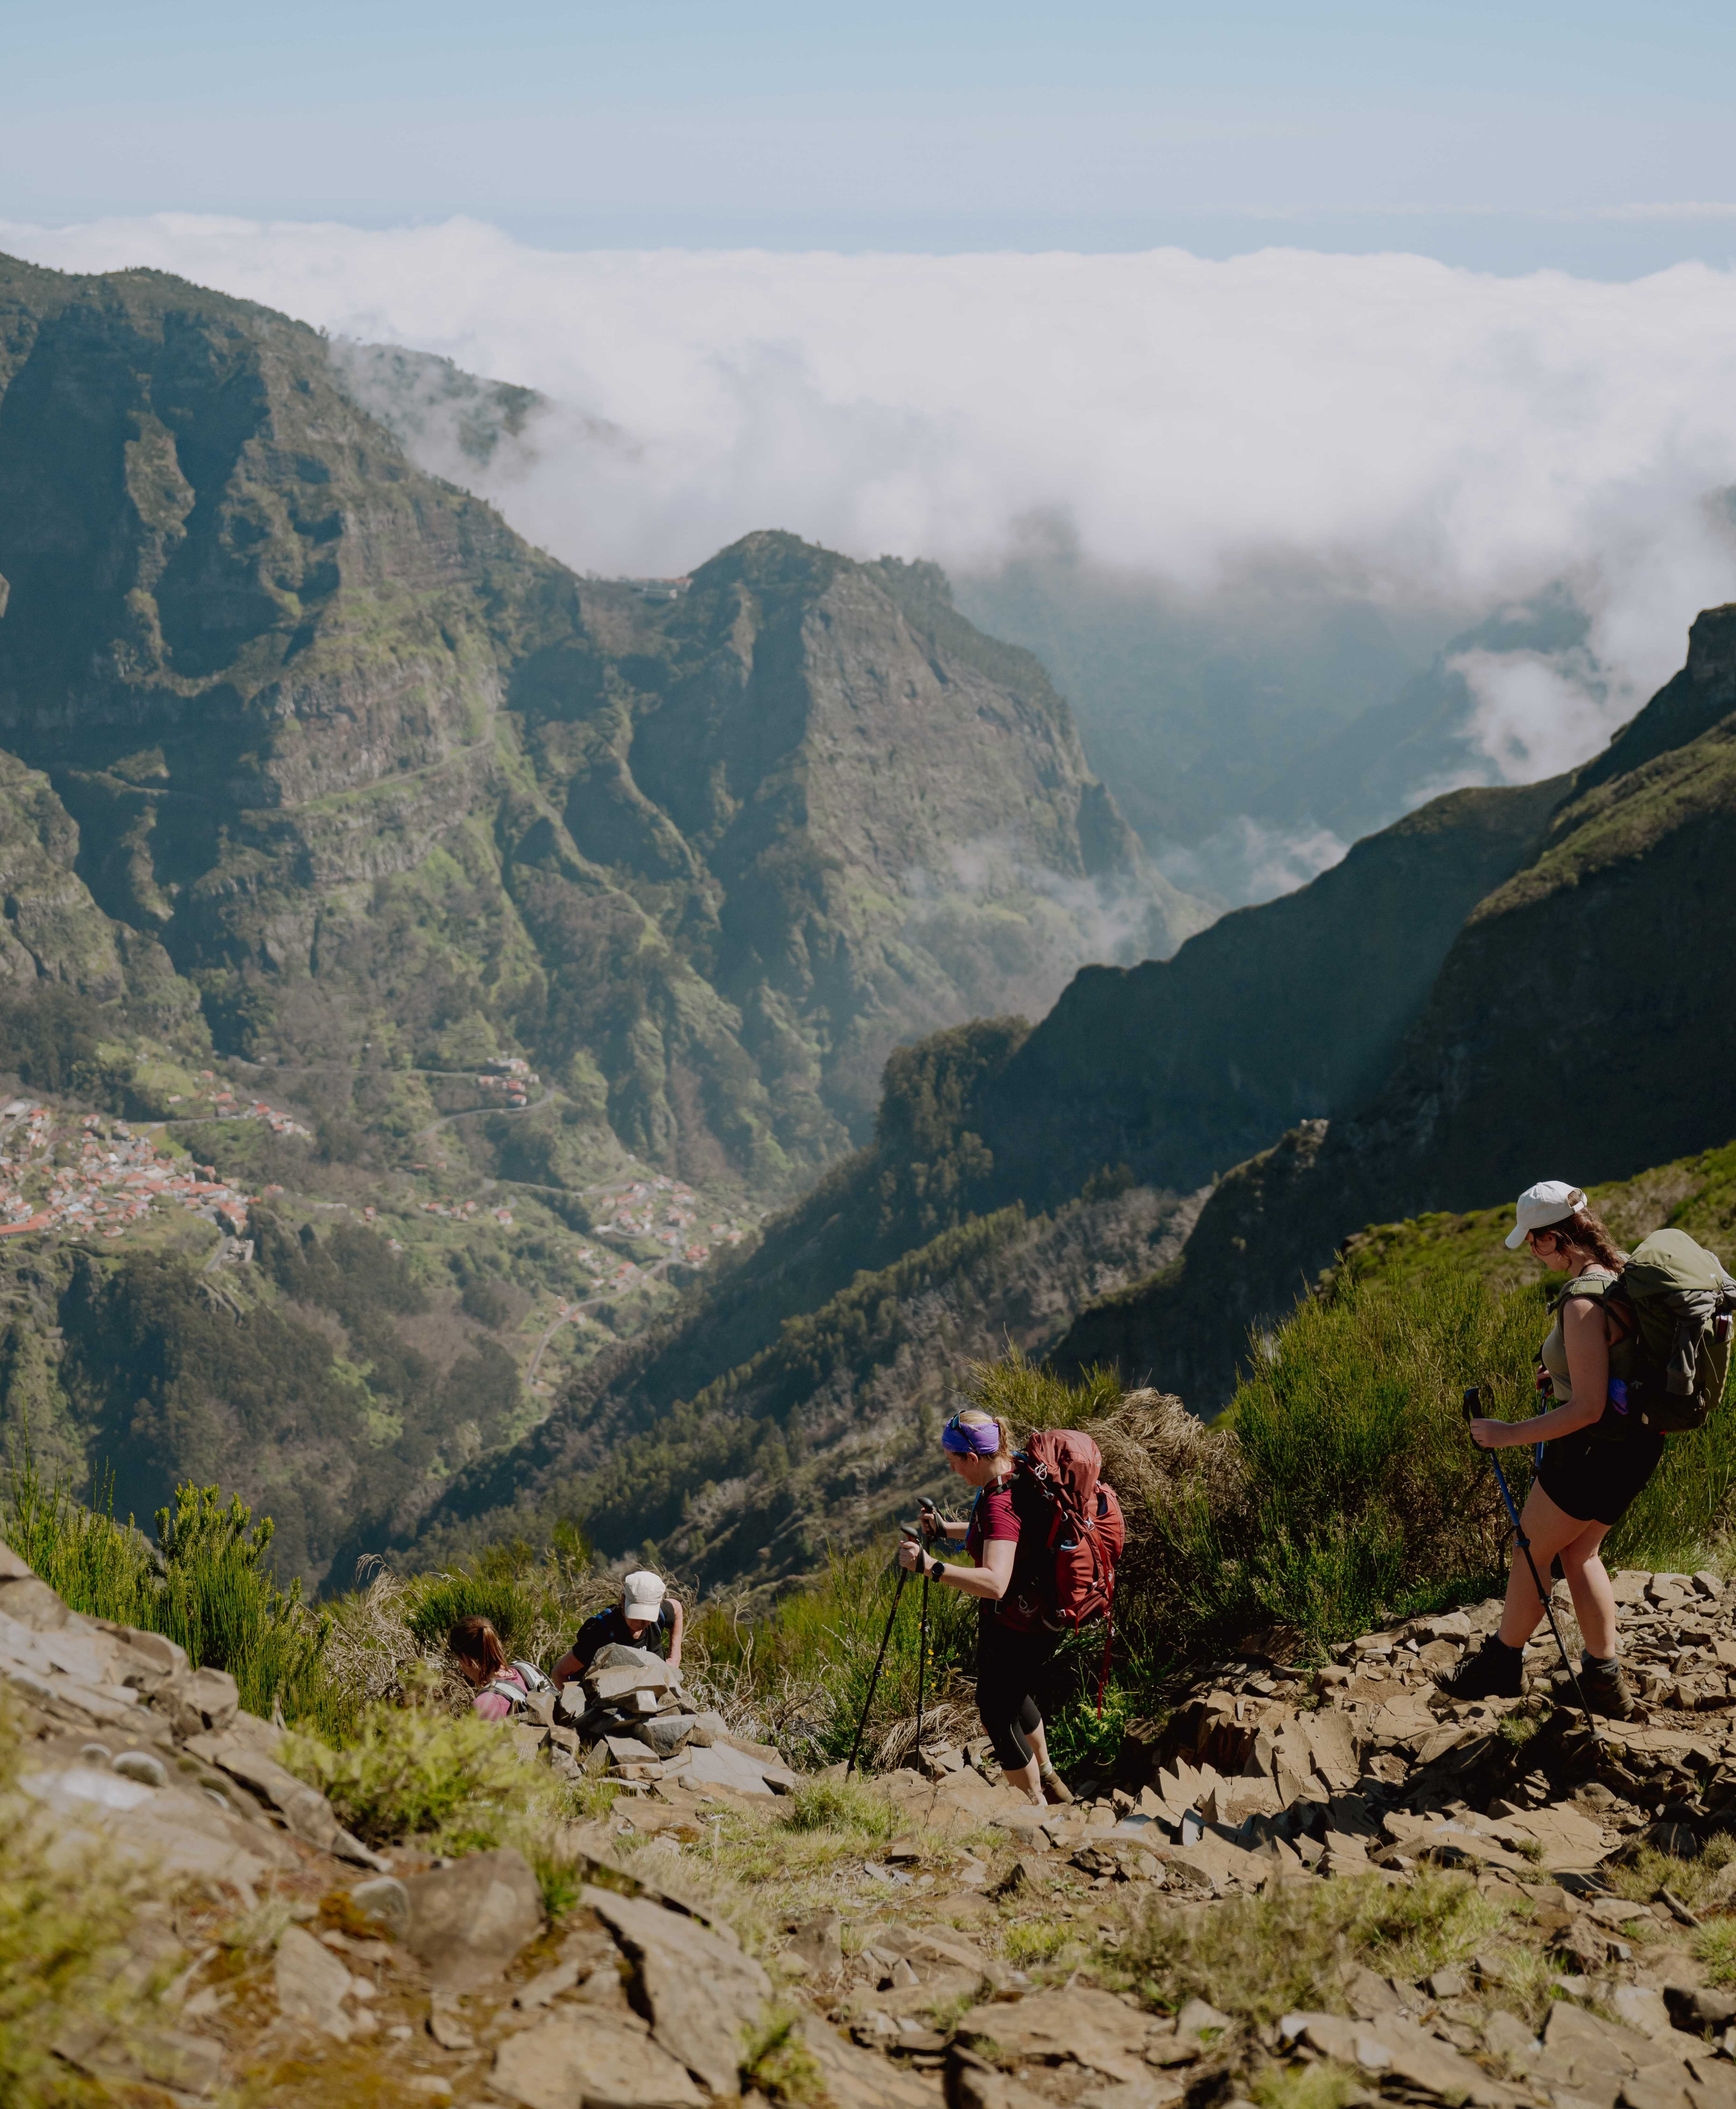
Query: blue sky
x=1592 y=138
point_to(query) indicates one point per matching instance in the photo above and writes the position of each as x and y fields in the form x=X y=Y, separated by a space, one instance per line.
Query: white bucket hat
x=642 y=1594
x=1549 y=1201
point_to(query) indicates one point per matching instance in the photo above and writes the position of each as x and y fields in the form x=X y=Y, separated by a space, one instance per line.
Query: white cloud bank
x=1414 y=427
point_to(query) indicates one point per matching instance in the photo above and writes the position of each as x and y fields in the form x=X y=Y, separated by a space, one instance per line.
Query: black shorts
x=1011 y=1668
x=1597 y=1481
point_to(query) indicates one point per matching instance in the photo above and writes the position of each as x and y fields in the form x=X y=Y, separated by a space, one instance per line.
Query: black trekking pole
x=904 y=1575
x=922 y=1659
x=1473 y=1406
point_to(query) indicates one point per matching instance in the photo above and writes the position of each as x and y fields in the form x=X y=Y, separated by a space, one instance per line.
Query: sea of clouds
x=1424 y=429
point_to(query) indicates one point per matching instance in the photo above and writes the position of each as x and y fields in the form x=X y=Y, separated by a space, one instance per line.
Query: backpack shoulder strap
x=1597 y=1286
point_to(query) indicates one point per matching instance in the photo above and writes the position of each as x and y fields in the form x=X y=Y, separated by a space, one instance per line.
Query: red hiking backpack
x=1058 y=1482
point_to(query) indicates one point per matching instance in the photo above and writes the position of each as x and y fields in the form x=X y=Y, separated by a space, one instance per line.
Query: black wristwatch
x=937 y=1570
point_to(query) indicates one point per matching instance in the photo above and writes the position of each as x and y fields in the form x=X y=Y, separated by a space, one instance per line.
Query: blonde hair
x=973 y=1416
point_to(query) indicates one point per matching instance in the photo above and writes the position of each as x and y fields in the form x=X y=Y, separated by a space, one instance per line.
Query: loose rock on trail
x=297 y=1959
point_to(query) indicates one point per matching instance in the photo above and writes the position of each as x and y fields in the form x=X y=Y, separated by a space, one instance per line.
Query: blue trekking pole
x=1473 y=1409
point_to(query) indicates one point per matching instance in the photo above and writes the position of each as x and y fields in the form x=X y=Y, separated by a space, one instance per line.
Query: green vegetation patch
x=204 y=1585
x=1256 y=1958
x=413 y=1772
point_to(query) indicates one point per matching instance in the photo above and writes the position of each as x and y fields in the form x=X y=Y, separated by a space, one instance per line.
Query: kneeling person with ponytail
x=1011 y=1535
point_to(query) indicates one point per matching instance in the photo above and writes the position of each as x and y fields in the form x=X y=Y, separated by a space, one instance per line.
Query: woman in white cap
x=1585 y=1483
x=645 y=1616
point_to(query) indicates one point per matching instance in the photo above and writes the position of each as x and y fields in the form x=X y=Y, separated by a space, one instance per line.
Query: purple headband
x=981 y=1440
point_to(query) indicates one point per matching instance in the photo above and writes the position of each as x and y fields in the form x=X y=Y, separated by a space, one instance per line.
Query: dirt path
x=471 y=1112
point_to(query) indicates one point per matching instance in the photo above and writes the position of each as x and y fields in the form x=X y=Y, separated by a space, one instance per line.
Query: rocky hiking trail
x=1316 y=1885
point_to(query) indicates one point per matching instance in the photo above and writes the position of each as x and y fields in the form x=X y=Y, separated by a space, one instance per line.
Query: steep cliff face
x=372 y=771
x=53 y=930
x=1177 y=1069
x=1575 y=1030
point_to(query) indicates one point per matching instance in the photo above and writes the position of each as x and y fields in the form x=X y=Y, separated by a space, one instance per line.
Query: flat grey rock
x=583 y=2058
x=469 y=1920
x=667 y=1733
x=311 y=1984
x=701 y=1991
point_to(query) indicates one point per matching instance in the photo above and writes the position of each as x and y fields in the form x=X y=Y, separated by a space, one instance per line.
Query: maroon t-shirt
x=991 y=1515
x=996 y=1514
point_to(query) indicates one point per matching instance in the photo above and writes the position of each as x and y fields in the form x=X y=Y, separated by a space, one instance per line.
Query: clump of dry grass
x=948 y=1719
x=1257 y=1958
x=387 y=1642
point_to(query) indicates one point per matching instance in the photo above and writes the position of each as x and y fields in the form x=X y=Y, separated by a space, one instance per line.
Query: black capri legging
x=1009 y=1667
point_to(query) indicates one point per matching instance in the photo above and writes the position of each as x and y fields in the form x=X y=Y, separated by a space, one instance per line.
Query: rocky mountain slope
x=1315 y=1878
x=1563 y=1036
x=341 y=767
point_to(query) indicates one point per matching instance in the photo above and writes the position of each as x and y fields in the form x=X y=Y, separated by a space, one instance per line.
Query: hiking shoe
x=1054 y=1787
x=1493 y=1672
x=1606 y=1691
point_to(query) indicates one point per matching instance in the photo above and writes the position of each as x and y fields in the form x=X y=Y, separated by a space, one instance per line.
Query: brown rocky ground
x=1321 y=1885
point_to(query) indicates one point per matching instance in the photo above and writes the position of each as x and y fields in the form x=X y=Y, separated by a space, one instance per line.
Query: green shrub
x=223 y=1606
x=410 y=1771
x=776 y=2059
x=1322 y=2085
x=100 y=1567
x=1356 y=1496
x=1080 y=1738
x=1714 y=1948
x=1026 y=1396
x=1034 y=1940
x=519 y=1612
x=203 y=1587
x=1685 y=1507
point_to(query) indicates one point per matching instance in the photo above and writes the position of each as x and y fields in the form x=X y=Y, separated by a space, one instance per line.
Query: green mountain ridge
x=1568 y=1033
x=316 y=779
x=1490 y=991
x=358 y=766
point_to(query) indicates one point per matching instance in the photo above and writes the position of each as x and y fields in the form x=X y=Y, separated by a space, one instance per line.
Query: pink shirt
x=495 y=1706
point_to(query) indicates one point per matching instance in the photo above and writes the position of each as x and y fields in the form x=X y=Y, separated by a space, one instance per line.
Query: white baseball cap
x=1549 y=1201
x=642 y=1594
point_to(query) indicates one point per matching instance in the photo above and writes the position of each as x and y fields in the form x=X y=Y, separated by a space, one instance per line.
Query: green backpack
x=1670 y=1314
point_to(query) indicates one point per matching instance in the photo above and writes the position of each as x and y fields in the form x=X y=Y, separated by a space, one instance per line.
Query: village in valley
x=96 y=1180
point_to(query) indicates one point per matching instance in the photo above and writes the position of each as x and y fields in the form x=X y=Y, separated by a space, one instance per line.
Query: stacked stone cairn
x=629 y=1718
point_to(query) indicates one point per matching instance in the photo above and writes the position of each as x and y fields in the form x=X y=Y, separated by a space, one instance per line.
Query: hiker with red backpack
x=1638 y=1350
x=1044 y=1532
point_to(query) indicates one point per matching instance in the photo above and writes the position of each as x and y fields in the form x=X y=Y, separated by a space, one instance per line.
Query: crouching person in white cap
x=646 y=1617
x=1588 y=1475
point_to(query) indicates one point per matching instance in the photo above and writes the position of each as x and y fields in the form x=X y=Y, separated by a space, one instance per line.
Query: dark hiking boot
x=1054 y=1787
x=1494 y=1672
x=1606 y=1691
